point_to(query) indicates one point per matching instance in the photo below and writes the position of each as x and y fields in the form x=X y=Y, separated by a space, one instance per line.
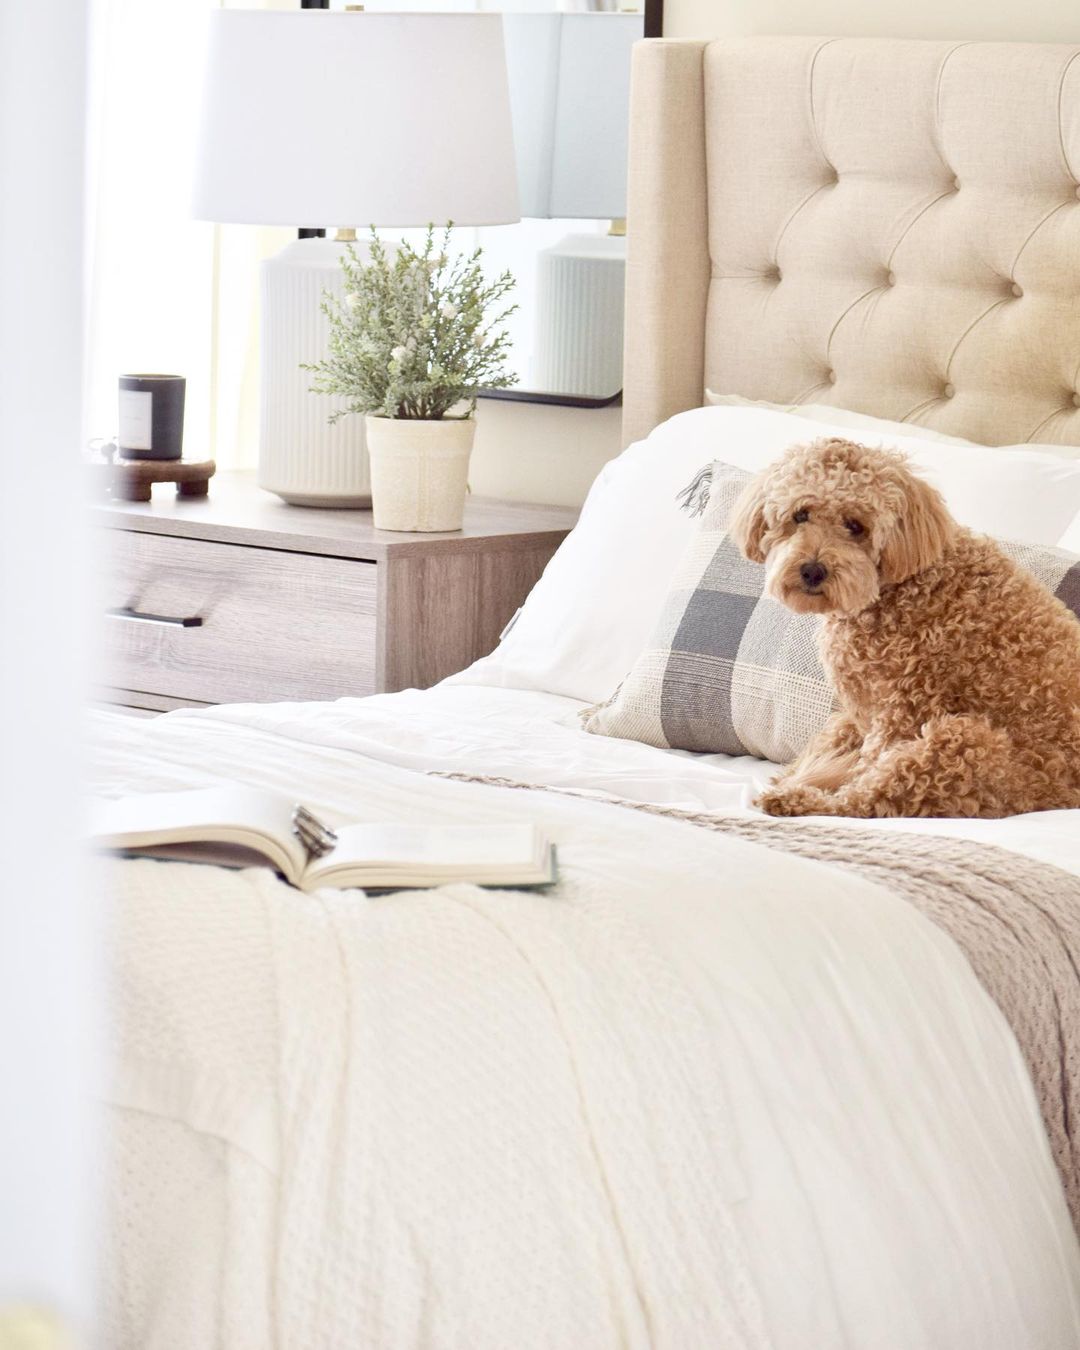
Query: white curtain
x=48 y=1023
x=166 y=293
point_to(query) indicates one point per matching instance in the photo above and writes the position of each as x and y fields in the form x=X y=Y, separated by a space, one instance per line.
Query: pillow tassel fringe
x=694 y=498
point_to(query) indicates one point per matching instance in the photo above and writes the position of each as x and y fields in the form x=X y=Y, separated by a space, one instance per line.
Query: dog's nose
x=813 y=573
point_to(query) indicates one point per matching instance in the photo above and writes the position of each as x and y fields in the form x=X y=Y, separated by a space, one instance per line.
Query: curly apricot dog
x=958 y=673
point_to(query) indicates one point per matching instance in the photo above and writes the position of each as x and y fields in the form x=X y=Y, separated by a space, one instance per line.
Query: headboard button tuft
x=908 y=132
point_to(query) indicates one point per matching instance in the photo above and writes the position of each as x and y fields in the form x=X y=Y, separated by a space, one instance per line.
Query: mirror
x=569 y=70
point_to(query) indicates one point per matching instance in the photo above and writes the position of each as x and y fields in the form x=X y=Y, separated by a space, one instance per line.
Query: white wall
x=533 y=452
x=1004 y=20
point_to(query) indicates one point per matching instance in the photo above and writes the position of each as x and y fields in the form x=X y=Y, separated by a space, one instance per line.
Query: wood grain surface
x=437 y=614
x=302 y=603
x=237 y=511
x=274 y=625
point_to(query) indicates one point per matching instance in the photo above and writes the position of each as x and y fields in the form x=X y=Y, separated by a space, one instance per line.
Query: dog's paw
x=791 y=799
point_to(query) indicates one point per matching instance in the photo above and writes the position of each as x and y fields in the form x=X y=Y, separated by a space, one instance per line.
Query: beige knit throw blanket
x=1016 y=920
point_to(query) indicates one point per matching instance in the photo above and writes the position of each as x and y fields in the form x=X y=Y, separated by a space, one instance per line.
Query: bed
x=722 y=1086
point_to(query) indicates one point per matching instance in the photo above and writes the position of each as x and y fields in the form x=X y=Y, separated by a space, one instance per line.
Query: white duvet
x=701 y=1094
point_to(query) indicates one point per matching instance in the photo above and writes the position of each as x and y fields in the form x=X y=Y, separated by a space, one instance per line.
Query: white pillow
x=1070 y=540
x=1012 y=498
x=591 y=613
x=836 y=417
x=855 y=421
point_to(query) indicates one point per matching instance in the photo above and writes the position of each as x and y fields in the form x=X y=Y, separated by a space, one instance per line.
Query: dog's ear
x=921 y=535
x=747 y=523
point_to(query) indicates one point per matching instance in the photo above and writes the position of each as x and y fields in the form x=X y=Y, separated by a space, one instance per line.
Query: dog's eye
x=853 y=527
x=801 y=517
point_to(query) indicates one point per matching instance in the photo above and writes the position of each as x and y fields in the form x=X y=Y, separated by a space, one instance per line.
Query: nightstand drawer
x=264 y=624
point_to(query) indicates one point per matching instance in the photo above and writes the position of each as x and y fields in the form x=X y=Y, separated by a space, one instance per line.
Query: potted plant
x=412 y=340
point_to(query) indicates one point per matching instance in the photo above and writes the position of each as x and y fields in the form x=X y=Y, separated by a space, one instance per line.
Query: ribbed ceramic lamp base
x=302 y=457
x=579 y=323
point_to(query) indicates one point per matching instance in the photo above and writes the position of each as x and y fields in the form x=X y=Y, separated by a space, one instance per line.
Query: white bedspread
x=535 y=737
x=702 y=1094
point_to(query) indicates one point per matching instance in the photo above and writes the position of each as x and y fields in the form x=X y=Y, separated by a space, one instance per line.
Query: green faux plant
x=415 y=334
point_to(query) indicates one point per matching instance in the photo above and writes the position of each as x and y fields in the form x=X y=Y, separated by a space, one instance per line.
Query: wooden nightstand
x=240 y=598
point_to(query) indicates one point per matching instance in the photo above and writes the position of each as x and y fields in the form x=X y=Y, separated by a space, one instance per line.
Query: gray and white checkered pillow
x=728 y=669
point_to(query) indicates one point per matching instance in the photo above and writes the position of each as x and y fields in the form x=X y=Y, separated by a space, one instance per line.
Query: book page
x=432 y=846
x=365 y=852
x=250 y=817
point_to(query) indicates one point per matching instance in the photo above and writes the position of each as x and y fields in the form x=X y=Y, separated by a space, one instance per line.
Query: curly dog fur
x=957 y=672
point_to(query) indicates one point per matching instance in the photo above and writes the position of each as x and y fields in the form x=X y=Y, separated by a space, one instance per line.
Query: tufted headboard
x=888 y=226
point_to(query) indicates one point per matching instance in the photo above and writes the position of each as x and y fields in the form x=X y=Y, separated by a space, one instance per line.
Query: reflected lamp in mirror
x=321 y=118
x=570 y=100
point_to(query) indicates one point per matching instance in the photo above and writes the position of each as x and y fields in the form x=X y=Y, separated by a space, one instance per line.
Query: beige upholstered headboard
x=884 y=225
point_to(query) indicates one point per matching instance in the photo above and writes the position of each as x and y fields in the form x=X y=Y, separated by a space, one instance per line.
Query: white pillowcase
x=1070 y=540
x=856 y=421
x=837 y=417
x=853 y=421
x=591 y=613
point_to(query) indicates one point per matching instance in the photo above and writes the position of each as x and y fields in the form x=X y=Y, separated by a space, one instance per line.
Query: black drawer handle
x=126 y=612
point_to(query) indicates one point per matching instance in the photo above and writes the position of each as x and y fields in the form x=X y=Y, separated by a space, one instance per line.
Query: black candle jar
x=151 y=416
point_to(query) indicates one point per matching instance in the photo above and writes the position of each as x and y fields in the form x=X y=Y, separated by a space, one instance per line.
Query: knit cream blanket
x=702 y=1095
x=1017 y=921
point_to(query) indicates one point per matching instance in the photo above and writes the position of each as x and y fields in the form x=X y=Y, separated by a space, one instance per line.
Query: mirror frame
x=654 y=28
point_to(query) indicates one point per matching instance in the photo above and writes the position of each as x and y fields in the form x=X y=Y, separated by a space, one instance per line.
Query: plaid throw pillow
x=728 y=669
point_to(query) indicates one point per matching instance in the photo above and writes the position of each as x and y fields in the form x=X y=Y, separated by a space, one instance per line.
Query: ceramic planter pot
x=419 y=471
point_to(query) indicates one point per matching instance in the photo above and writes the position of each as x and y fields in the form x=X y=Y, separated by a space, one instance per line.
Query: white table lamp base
x=302 y=457
x=579 y=318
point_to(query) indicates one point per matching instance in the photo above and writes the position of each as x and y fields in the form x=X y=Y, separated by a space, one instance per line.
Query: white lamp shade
x=570 y=96
x=314 y=117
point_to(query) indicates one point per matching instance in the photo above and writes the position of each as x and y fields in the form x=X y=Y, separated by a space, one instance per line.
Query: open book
x=245 y=827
